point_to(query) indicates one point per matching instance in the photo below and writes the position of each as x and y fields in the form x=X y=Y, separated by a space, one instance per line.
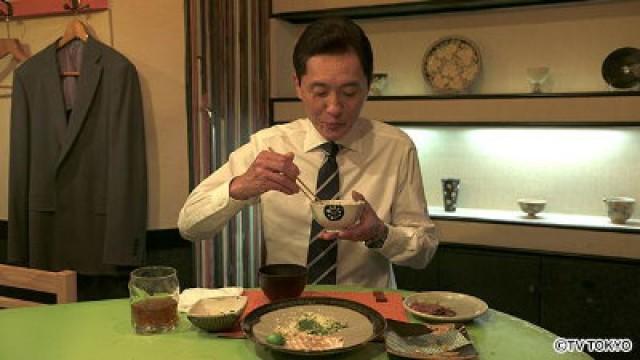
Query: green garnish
x=309 y=324
x=276 y=339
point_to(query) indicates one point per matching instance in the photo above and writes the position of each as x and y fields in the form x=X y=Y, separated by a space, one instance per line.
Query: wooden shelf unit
x=584 y=108
x=298 y=12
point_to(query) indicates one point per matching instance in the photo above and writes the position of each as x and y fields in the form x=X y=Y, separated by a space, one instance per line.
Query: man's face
x=333 y=91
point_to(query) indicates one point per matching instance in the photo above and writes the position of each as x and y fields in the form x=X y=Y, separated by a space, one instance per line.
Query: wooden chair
x=61 y=283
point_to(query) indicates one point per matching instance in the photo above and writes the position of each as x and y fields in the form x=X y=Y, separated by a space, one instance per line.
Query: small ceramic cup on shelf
x=532 y=206
x=537 y=76
x=619 y=209
x=378 y=84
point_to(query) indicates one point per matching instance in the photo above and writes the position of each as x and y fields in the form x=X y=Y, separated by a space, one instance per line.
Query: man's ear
x=298 y=85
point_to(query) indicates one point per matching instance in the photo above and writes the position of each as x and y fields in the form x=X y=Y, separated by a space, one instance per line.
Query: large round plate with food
x=451 y=65
x=313 y=325
x=445 y=306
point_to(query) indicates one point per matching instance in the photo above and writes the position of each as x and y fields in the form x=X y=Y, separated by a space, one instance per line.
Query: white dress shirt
x=376 y=159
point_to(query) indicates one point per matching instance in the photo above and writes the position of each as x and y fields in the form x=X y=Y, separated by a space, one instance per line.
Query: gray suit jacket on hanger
x=78 y=191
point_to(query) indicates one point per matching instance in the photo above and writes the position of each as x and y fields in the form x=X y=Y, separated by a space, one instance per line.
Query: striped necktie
x=323 y=254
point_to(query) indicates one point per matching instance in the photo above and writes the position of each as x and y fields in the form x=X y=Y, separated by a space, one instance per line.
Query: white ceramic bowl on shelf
x=619 y=208
x=532 y=206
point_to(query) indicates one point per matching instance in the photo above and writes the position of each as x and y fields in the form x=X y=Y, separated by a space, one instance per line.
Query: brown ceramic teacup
x=282 y=281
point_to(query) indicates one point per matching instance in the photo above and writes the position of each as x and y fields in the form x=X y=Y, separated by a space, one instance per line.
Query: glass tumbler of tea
x=153 y=293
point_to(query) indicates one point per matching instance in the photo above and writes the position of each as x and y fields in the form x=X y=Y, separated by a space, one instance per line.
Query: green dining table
x=102 y=330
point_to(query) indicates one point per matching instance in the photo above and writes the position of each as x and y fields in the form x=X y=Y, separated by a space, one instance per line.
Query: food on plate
x=432 y=309
x=311 y=331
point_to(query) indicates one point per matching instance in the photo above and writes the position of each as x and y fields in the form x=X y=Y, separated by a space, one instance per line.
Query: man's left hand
x=369 y=227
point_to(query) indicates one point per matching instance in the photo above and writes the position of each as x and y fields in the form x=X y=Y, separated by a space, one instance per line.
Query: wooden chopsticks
x=306 y=191
x=304 y=188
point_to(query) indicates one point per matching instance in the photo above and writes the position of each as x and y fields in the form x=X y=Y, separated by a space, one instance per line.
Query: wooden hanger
x=13 y=47
x=76 y=29
x=9 y=45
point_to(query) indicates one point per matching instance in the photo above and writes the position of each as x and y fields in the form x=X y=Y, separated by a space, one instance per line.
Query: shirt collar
x=351 y=141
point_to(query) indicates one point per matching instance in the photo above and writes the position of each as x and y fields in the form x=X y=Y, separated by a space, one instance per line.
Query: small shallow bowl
x=466 y=307
x=217 y=314
x=532 y=206
x=619 y=208
x=335 y=215
x=282 y=281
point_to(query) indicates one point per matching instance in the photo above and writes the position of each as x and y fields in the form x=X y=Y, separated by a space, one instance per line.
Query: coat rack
x=9 y=12
x=75 y=6
x=39 y=8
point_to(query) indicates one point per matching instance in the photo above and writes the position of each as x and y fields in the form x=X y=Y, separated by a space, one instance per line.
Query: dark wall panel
x=3 y=240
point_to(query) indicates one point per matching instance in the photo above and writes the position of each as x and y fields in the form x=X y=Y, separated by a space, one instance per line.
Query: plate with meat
x=444 y=306
x=313 y=325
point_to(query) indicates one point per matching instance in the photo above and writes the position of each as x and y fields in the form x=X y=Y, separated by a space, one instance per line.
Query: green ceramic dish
x=217 y=314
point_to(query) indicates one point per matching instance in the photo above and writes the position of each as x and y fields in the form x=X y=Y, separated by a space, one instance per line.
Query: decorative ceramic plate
x=363 y=324
x=429 y=341
x=451 y=65
x=619 y=68
x=465 y=307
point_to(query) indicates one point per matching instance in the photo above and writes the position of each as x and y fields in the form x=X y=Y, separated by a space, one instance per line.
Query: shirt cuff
x=208 y=209
x=379 y=240
x=391 y=242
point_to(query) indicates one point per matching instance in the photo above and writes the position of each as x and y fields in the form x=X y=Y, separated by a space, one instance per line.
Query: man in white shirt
x=376 y=163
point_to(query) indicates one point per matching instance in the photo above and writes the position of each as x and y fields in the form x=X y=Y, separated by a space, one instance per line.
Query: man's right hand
x=269 y=171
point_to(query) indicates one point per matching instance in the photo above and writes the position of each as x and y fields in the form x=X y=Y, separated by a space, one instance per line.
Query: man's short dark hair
x=333 y=36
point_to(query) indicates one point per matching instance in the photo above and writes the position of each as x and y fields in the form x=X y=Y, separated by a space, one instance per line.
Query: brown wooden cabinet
x=507 y=282
x=588 y=298
x=419 y=280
